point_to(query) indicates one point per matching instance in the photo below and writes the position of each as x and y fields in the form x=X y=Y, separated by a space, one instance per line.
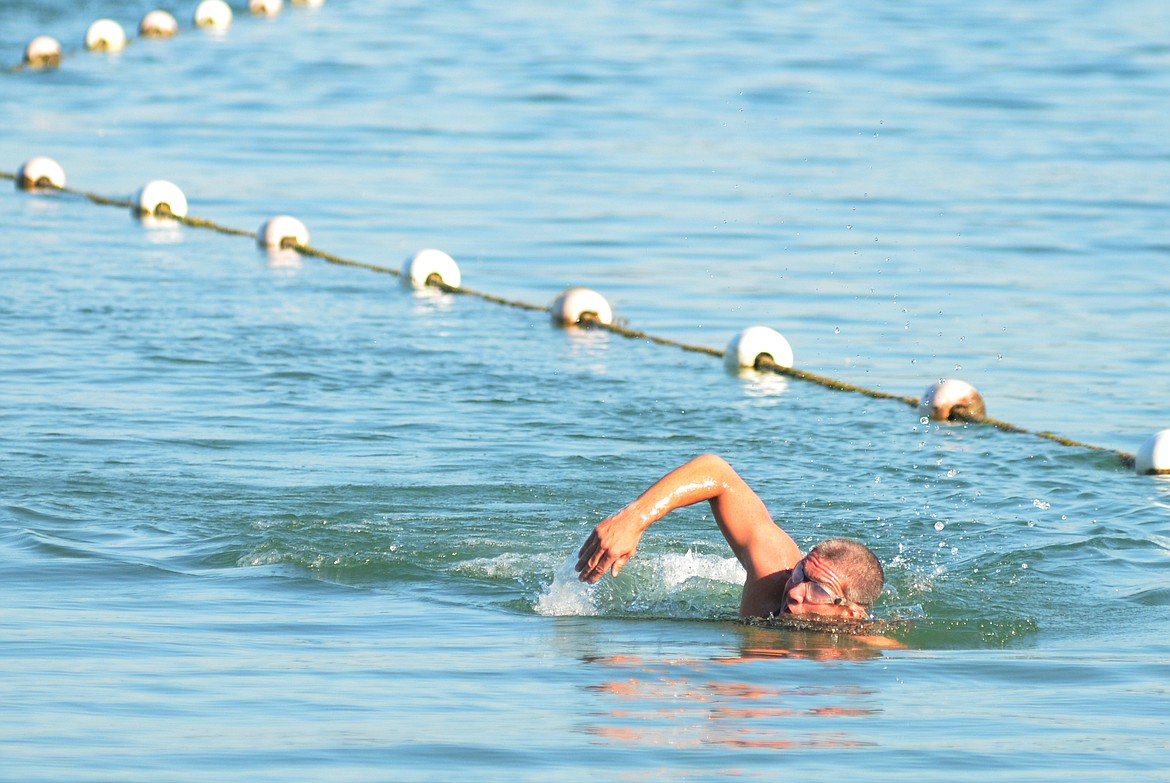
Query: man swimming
x=839 y=578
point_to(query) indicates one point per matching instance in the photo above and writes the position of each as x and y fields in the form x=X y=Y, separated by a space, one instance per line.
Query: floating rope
x=106 y=35
x=764 y=363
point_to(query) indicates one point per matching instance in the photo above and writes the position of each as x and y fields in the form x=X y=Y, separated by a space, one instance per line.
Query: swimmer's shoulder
x=764 y=597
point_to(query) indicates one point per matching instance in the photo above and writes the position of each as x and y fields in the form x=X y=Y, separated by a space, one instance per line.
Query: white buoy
x=1154 y=455
x=158 y=24
x=748 y=347
x=422 y=265
x=105 y=35
x=40 y=172
x=282 y=232
x=213 y=14
x=265 y=7
x=42 y=52
x=578 y=305
x=949 y=398
x=159 y=198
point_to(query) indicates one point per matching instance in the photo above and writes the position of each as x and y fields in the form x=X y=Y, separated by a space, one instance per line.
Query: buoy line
x=758 y=348
x=44 y=52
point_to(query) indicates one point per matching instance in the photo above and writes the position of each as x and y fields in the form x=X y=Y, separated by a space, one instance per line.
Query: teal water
x=265 y=520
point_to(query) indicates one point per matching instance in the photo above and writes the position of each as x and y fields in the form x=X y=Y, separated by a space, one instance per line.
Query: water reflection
x=767 y=387
x=738 y=700
x=161 y=230
x=429 y=299
x=45 y=201
x=588 y=349
x=282 y=258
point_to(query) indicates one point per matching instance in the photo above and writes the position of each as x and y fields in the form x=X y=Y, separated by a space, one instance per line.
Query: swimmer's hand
x=609 y=547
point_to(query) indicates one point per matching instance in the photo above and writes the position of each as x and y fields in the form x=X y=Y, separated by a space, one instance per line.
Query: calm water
x=264 y=520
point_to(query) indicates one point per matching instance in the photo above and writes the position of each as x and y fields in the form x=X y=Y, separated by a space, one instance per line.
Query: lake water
x=270 y=518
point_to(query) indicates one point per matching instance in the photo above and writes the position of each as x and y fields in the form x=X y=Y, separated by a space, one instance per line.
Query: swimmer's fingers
x=585 y=554
x=594 y=568
x=593 y=560
x=618 y=565
x=590 y=559
x=608 y=548
x=587 y=548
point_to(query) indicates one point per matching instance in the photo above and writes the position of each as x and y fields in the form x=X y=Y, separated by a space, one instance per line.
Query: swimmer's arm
x=881 y=642
x=759 y=544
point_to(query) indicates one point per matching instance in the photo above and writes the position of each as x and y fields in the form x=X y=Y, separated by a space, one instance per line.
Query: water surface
x=265 y=519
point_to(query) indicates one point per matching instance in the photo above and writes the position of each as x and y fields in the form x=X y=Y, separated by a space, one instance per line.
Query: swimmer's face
x=817 y=588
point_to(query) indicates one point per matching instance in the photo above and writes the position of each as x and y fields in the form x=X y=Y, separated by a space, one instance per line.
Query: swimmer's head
x=839 y=577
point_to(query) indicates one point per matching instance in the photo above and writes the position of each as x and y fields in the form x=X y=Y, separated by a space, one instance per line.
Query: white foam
x=566 y=596
x=647 y=582
x=508 y=565
x=675 y=569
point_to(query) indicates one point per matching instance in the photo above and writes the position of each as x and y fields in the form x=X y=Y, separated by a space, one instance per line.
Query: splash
x=689 y=584
x=676 y=569
x=566 y=595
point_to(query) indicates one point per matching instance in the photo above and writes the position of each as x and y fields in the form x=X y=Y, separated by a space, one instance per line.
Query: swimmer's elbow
x=713 y=464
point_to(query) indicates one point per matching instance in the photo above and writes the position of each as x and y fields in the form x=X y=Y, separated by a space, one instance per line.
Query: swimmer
x=838 y=579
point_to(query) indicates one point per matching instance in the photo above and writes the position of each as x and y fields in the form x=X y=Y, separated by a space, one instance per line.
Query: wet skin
x=779 y=578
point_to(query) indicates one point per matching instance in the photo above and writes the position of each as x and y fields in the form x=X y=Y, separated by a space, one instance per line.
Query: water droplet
x=924 y=420
x=837 y=330
x=939 y=525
